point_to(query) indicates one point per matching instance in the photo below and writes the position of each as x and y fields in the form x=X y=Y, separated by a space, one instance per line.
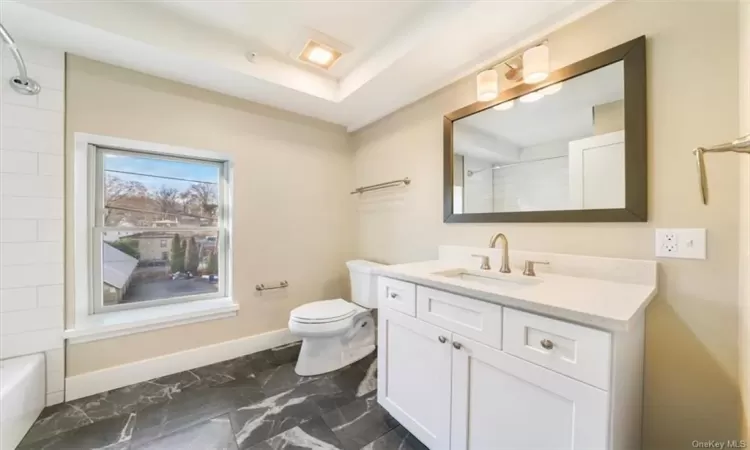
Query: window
x=158 y=227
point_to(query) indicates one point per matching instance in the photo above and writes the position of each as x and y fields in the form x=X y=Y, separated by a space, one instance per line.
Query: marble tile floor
x=255 y=402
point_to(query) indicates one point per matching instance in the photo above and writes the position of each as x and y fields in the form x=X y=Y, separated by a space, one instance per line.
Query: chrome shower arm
x=740 y=145
x=22 y=74
x=22 y=84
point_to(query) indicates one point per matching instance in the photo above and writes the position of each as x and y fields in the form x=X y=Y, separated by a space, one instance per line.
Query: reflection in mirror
x=559 y=148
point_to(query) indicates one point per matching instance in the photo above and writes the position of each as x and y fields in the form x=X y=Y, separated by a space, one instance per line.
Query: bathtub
x=22 y=397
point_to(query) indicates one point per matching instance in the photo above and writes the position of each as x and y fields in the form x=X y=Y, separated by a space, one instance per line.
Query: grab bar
x=263 y=287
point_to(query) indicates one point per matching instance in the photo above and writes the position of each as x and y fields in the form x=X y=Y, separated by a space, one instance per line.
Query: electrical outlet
x=686 y=243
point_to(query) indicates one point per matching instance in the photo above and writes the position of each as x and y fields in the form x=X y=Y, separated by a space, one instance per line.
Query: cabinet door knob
x=457 y=345
x=442 y=339
x=394 y=295
x=547 y=344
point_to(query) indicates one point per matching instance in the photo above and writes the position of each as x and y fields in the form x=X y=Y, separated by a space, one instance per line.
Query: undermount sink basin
x=489 y=278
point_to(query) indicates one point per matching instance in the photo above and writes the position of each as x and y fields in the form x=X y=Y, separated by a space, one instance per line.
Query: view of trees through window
x=160 y=233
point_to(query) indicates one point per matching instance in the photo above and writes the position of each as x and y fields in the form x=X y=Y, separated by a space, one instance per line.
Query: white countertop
x=611 y=305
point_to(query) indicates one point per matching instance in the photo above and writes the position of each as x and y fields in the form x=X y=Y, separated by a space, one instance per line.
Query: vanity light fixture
x=319 y=55
x=487 y=85
x=553 y=89
x=505 y=105
x=536 y=64
x=531 y=97
x=530 y=66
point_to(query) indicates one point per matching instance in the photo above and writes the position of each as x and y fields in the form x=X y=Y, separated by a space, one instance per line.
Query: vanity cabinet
x=414 y=375
x=499 y=401
x=465 y=374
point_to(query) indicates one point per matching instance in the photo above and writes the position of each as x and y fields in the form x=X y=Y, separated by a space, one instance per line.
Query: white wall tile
x=54 y=398
x=15 y=322
x=12 y=230
x=31 y=275
x=27 y=140
x=23 y=185
x=36 y=54
x=55 y=382
x=50 y=165
x=18 y=162
x=31 y=213
x=18 y=299
x=30 y=208
x=51 y=99
x=32 y=118
x=31 y=342
x=55 y=360
x=50 y=230
x=11 y=97
x=50 y=295
x=19 y=253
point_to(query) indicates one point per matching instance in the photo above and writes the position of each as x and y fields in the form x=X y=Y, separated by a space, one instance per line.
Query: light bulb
x=531 y=97
x=505 y=105
x=553 y=89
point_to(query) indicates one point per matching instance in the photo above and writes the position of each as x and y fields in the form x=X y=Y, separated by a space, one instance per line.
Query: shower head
x=21 y=83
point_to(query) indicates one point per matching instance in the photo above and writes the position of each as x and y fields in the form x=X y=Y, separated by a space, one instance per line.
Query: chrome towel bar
x=263 y=287
x=740 y=145
x=375 y=187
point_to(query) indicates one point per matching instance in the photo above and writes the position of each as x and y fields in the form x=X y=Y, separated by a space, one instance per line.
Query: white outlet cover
x=684 y=243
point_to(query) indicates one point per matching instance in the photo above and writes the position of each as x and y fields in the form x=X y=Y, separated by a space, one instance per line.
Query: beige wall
x=744 y=18
x=293 y=217
x=609 y=117
x=691 y=368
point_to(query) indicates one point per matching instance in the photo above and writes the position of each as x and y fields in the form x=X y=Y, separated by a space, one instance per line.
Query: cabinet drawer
x=398 y=295
x=573 y=350
x=472 y=318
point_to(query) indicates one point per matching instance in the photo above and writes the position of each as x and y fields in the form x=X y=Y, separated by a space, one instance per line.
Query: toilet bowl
x=336 y=333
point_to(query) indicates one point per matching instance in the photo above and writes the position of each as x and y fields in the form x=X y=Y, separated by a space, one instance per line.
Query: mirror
x=569 y=149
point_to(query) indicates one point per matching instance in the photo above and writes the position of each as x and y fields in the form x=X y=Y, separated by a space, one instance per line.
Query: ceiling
x=564 y=115
x=394 y=53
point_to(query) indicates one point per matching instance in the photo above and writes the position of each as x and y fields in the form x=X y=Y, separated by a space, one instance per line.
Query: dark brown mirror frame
x=633 y=55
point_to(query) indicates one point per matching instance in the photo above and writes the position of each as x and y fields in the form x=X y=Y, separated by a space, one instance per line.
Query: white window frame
x=92 y=324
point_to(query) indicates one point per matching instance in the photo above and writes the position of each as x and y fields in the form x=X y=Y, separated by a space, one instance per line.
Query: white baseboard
x=119 y=376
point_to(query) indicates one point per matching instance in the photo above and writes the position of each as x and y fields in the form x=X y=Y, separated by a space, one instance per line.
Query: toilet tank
x=364 y=283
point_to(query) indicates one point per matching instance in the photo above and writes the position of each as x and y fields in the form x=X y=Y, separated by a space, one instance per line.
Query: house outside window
x=158 y=227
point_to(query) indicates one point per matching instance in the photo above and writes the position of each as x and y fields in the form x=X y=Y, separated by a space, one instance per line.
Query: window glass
x=162 y=230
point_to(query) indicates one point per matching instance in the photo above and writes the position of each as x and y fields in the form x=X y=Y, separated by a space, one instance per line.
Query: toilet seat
x=324 y=311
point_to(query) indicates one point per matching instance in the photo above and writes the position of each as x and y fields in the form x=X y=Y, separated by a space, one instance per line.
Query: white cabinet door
x=501 y=402
x=414 y=376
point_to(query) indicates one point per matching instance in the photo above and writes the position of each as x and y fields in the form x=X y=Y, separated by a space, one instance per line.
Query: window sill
x=121 y=323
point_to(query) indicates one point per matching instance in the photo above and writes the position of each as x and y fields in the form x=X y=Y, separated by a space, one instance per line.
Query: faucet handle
x=528 y=267
x=485 y=262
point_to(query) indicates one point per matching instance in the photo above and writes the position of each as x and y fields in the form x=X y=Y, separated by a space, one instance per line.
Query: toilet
x=336 y=333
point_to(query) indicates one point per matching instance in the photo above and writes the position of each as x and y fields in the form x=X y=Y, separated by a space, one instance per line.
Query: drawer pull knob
x=394 y=295
x=442 y=339
x=547 y=344
x=457 y=345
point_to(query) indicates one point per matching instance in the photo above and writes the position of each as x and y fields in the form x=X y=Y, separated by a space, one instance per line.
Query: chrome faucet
x=505 y=266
